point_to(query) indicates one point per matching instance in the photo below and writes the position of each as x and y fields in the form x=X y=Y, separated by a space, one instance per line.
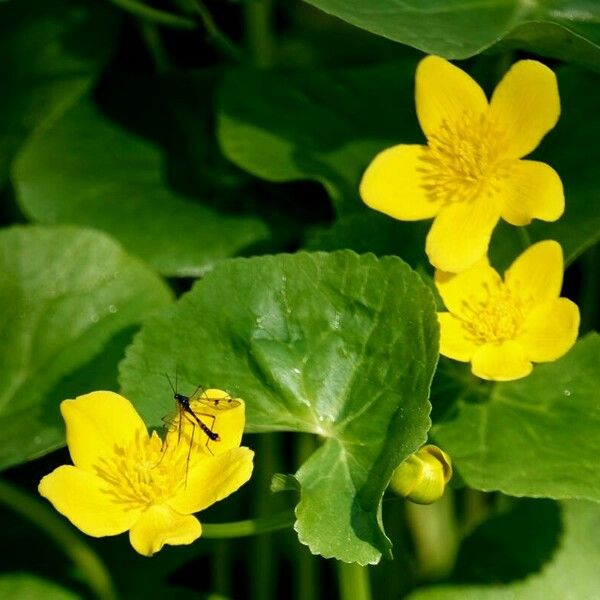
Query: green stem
x=223 y=43
x=259 y=35
x=155 y=47
x=154 y=14
x=354 y=582
x=87 y=562
x=435 y=536
x=265 y=524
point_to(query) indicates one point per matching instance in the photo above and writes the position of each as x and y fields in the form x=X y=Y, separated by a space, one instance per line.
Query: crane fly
x=185 y=413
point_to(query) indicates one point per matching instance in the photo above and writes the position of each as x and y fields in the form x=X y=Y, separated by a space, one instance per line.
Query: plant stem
x=435 y=536
x=354 y=581
x=234 y=529
x=259 y=35
x=154 y=14
x=225 y=45
x=155 y=47
x=87 y=562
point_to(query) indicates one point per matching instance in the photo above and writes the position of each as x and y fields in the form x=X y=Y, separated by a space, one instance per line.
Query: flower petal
x=87 y=502
x=460 y=234
x=550 y=330
x=526 y=105
x=445 y=93
x=211 y=479
x=454 y=343
x=392 y=184
x=98 y=422
x=531 y=190
x=501 y=362
x=536 y=275
x=160 y=525
x=465 y=291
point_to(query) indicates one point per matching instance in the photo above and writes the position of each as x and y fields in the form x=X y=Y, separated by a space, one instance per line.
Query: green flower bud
x=423 y=476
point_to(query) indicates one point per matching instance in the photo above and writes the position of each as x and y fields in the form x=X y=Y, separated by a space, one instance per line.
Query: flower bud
x=423 y=476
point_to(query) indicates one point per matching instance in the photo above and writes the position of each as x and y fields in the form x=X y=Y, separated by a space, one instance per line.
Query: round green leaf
x=51 y=51
x=565 y=29
x=87 y=170
x=26 y=586
x=537 y=436
x=66 y=297
x=572 y=573
x=322 y=125
x=339 y=345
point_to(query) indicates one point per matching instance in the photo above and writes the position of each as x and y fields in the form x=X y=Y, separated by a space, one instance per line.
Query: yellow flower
x=124 y=479
x=501 y=327
x=470 y=173
x=423 y=476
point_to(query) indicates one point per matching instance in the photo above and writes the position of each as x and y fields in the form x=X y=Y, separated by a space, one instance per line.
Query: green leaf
x=374 y=232
x=67 y=296
x=339 y=345
x=322 y=125
x=26 y=586
x=533 y=437
x=51 y=51
x=87 y=170
x=572 y=573
x=564 y=29
x=510 y=545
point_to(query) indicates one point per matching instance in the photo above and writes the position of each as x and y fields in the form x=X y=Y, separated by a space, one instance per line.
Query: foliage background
x=145 y=145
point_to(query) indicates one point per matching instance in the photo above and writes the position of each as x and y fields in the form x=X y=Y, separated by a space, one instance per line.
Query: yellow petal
x=87 y=502
x=392 y=184
x=445 y=93
x=160 y=525
x=468 y=290
x=536 y=275
x=97 y=423
x=550 y=330
x=460 y=234
x=531 y=190
x=525 y=105
x=211 y=479
x=503 y=362
x=454 y=341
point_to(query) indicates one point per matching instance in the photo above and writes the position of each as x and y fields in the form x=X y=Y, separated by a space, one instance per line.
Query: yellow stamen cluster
x=463 y=159
x=140 y=475
x=496 y=319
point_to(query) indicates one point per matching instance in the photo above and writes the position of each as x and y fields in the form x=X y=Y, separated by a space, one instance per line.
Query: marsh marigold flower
x=502 y=326
x=470 y=173
x=125 y=479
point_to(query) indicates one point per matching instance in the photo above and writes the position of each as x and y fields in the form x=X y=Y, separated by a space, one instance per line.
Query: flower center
x=462 y=160
x=141 y=474
x=496 y=319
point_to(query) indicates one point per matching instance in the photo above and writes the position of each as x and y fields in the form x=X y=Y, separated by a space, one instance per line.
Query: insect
x=185 y=413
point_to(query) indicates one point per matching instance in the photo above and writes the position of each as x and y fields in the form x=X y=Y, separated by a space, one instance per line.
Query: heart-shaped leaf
x=66 y=297
x=572 y=573
x=322 y=125
x=339 y=345
x=565 y=29
x=537 y=436
x=87 y=170
x=51 y=51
